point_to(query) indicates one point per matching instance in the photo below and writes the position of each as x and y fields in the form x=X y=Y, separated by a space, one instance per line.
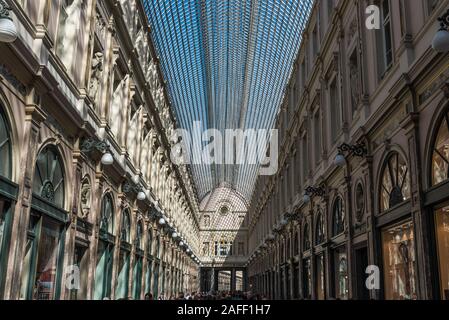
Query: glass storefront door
x=442 y=235
x=399 y=262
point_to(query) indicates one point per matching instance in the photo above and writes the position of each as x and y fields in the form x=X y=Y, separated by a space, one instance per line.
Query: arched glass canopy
x=227 y=64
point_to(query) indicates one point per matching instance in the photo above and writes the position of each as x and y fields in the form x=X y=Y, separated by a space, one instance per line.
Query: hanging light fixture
x=440 y=42
x=141 y=196
x=107 y=159
x=358 y=150
x=306 y=198
x=8 y=30
x=161 y=221
x=174 y=235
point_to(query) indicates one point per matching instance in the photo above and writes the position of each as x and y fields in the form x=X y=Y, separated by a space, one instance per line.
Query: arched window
x=307 y=243
x=126 y=227
x=338 y=217
x=395 y=187
x=440 y=157
x=5 y=147
x=107 y=214
x=48 y=180
x=319 y=229
x=139 y=235
x=149 y=242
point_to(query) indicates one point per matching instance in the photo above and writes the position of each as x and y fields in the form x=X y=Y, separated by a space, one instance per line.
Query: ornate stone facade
x=80 y=70
x=352 y=85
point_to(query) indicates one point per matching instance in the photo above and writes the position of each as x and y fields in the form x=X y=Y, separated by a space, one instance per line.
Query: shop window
x=320 y=282
x=123 y=275
x=395 y=187
x=48 y=182
x=47 y=261
x=5 y=206
x=81 y=262
x=341 y=273
x=338 y=221
x=440 y=158
x=399 y=262
x=442 y=234
x=137 y=277
x=384 y=40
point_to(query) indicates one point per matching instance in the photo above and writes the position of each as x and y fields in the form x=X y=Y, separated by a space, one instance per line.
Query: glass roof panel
x=227 y=63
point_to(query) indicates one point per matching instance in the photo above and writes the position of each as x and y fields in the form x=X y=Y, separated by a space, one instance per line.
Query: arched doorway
x=42 y=268
x=439 y=177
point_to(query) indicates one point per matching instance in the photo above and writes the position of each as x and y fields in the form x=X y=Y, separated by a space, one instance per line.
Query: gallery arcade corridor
x=284 y=150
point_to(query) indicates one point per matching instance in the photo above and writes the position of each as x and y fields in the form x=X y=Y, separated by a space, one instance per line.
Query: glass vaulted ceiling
x=227 y=63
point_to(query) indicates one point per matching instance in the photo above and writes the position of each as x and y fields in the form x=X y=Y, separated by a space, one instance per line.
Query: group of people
x=225 y=295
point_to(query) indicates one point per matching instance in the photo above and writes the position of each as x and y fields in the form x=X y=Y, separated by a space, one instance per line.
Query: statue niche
x=96 y=74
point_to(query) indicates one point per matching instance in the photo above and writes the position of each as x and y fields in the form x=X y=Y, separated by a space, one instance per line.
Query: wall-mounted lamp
x=129 y=188
x=358 y=150
x=440 y=42
x=91 y=144
x=312 y=192
x=8 y=30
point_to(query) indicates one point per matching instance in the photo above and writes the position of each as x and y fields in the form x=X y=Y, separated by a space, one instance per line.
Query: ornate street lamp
x=128 y=188
x=358 y=150
x=440 y=42
x=8 y=30
x=91 y=144
x=313 y=192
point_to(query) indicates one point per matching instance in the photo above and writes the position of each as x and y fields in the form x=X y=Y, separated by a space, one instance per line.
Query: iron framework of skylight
x=227 y=63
